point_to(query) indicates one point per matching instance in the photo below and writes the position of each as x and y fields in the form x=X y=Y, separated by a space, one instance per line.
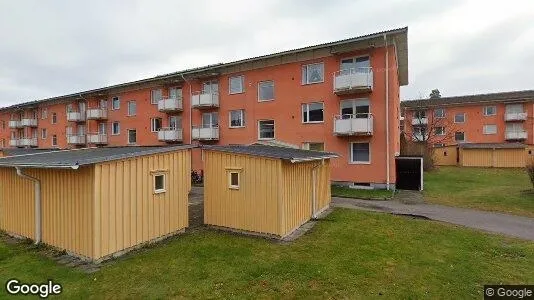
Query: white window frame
x=259 y=130
x=54 y=118
x=306 y=146
x=242 y=111
x=458 y=115
x=233 y=186
x=459 y=140
x=44 y=113
x=153 y=124
x=153 y=99
x=156 y=175
x=113 y=103
x=44 y=134
x=442 y=113
x=129 y=113
x=442 y=131
x=54 y=140
x=485 y=131
x=307 y=105
x=351 y=158
x=485 y=109
x=118 y=126
x=128 y=138
x=241 y=79
x=259 y=90
x=304 y=80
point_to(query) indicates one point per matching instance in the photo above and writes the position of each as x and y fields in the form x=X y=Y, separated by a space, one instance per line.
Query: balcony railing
x=15 y=124
x=515 y=116
x=76 y=139
x=28 y=142
x=97 y=114
x=14 y=142
x=205 y=133
x=353 y=124
x=353 y=80
x=97 y=139
x=205 y=100
x=76 y=116
x=170 y=134
x=170 y=105
x=419 y=121
x=29 y=122
x=418 y=137
x=516 y=135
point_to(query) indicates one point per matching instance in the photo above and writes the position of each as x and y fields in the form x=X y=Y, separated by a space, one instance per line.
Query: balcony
x=170 y=135
x=420 y=121
x=353 y=81
x=516 y=135
x=76 y=116
x=78 y=139
x=515 y=116
x=170 y=105
x=28 y=142
x=14 y=142
x=205 y=133
x=358 y=124
x=205 y=100
x=97 y=114
x=15 y=124
x=97 y=139
x=28 y=122
x=418 y=137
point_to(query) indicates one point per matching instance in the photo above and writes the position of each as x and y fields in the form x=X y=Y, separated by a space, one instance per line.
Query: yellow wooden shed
x=264 y=189
x=96 y=202
x=501 y=155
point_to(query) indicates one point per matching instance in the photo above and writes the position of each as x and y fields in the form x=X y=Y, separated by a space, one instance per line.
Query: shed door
x=409 y=173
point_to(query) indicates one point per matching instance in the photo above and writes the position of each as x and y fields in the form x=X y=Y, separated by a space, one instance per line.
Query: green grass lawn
x=492 y=189
x=350 y=254
x=341 y=191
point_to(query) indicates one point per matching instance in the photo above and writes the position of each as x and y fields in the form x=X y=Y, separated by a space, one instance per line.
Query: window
x=266 y=90
x=266 y=129
x=210 y=87
x=54 y=118
x=354 y=65
x=439 y=113
x=210 y=120
x=159 y=183
x=156 y=95
x=490 y=110
x=175 y=122
x=360 y=153
x=43 y=133
x=102 y=128
x=155 y=124
x=237 y=84
x=54 y=140
x=3 y=125
x=132 y=136
x=3 y=143
x=44 y=113
x=313 y=146
x=104 y=103
x=115 y=128
x=115 y=103
x=132 y=108
x=419 y=134
x=490 y=129
x=312 y=73
x=355 y=109
x=237 y=118
x=459 y=118
x=312 y=112
x=175 y=93
x=439 y=130
x=459 y=136
x=233 y=180
x=419 y=114
x=439 y=145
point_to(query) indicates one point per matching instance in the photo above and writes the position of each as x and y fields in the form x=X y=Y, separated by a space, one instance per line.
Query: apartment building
x=484 y=118
x=341 y=97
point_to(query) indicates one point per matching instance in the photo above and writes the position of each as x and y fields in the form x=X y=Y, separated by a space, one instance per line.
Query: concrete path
x=516 y=226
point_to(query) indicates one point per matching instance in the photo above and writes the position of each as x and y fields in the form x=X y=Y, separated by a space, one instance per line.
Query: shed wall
x=252 y=207
x=445 y=156
x=500 y=158
x=128 y=212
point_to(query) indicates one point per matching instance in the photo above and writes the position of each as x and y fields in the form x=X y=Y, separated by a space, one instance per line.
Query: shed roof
x=284 y=153
x=492 y=146
x=80 y=157
x=24 y=151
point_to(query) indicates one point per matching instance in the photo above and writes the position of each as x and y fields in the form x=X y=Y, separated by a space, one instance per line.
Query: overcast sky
x=50 y=48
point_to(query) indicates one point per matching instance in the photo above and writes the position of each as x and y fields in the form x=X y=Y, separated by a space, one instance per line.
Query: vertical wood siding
x=499 y=158
x=254 y=206
x=128 y=212
x=66 y=202
x=445 y=156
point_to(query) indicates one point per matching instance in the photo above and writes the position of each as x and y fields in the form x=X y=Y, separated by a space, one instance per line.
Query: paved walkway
x=516 y=226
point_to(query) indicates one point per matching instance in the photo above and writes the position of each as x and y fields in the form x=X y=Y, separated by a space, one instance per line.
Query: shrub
x=530 y=172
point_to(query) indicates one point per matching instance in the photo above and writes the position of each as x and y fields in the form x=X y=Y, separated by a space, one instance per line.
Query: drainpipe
x=387 y=112
x=37 y=203
x=314 y=189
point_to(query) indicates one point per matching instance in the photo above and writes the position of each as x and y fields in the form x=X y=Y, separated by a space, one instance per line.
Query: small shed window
x=159 y=183
x=233 y=180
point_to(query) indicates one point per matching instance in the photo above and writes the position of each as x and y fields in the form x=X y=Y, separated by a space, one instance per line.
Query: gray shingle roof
x=514 y=96
x=24 y=151
x=80 y=157
x=492 y=145
x=284 y=153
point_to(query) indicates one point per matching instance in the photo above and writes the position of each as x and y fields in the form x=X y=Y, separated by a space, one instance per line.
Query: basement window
x=159 y=183
x=233 y=180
